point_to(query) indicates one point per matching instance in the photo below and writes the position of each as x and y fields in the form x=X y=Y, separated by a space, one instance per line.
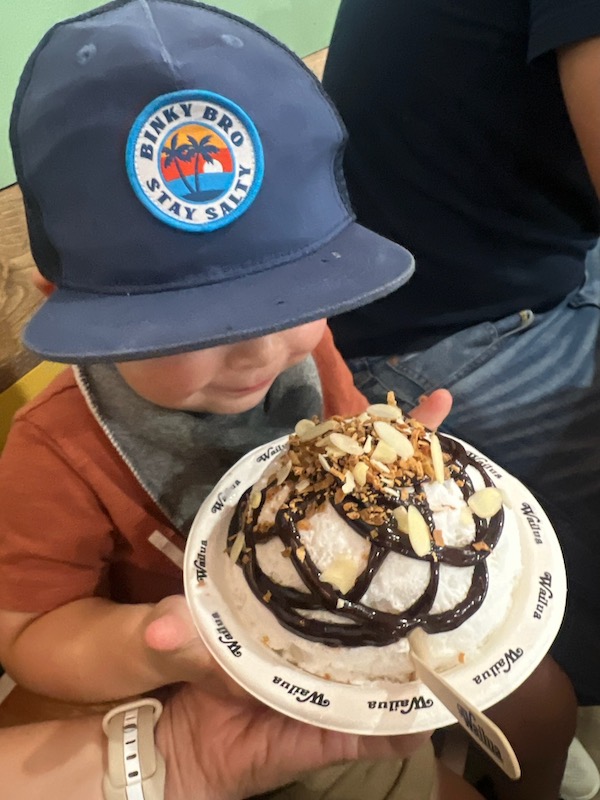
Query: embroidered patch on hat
x=195 y=160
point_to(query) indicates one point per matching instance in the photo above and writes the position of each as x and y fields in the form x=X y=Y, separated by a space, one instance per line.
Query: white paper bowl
x=384 y=708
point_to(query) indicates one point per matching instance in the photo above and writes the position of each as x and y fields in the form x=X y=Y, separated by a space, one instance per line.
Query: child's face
x=221 y=380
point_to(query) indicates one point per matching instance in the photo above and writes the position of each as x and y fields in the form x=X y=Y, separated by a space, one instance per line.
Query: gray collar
x=178 y=456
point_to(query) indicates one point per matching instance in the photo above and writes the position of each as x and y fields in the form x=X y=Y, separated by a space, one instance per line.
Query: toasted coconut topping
x=438 y=537
x=379 y=449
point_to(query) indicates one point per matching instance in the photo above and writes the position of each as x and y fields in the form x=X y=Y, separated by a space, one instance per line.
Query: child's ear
x=41 y=284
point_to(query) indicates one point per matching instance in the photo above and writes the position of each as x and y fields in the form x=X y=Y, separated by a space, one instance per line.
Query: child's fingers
x=171 y=626
x=433 y=409
x=175 y=637
x=169 y=633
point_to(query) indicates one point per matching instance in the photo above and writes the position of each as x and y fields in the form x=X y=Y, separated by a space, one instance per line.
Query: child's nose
x=256 y=352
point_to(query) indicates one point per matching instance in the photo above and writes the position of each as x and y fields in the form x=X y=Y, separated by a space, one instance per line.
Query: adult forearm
x=53 y=760
x=66 y=760
x=214 y=747
x=90 y=650
x=579 y=70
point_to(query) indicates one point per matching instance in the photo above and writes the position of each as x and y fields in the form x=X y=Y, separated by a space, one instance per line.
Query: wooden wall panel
x=18 y=298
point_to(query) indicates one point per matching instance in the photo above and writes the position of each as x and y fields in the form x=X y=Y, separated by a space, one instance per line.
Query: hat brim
x=354 y=268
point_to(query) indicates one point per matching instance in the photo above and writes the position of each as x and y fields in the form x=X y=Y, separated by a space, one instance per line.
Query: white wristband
x=136 y=771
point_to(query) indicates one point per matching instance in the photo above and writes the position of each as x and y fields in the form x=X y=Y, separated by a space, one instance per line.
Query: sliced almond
x=255 y=499
x=400 y=514
x=368 y=445
x=283 y=472
x=396 y=440
x=302 y=485
x=349 y=484
x=237 y=546
x=360 y=473
x=324 y=463
x=341 y=573
x=486 y=502
x=384 y=453
x=346 y=443
x=317 y=430
x=385 y=411
x=379 y=466
x=418 y=532
x=334 y=452
x=437 y=458
x=304 y=425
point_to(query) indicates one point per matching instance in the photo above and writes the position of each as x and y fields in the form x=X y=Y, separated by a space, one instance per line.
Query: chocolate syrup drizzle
x=359 y=624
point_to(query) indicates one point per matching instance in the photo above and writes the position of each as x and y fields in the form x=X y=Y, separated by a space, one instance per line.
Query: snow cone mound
x=368 y=531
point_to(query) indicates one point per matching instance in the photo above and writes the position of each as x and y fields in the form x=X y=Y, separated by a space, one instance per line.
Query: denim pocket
x=589 y=293
x=443 y=364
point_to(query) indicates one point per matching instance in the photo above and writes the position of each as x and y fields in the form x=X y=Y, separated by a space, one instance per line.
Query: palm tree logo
x=201 y=148
x=176 y=153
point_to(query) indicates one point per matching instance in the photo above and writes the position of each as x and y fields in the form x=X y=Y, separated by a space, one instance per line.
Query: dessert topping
x=486 y=502
x=418 y=532
x=372 y=470
x=342 y=573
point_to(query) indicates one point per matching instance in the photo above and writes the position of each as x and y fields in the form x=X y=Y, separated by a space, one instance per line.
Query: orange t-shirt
x=75 y=521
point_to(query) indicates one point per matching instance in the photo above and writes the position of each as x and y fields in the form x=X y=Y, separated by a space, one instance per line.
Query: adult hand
x=222 y=748
x=213 y=749
x=221 y=743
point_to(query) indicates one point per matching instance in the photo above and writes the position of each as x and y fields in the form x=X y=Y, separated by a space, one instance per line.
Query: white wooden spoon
x=486 y=733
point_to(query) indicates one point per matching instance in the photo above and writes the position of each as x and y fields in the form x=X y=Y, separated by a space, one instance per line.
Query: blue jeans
x=527 y=394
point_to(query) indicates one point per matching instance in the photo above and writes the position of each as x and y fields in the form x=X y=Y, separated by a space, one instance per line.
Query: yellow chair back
x=24 y=390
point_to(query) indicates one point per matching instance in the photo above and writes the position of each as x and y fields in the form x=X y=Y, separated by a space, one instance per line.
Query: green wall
x=304 y=25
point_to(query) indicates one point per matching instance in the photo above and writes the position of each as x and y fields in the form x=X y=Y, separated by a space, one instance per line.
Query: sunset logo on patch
x=195 y=160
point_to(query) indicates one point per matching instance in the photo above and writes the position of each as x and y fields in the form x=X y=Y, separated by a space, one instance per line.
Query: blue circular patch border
x=194 y=94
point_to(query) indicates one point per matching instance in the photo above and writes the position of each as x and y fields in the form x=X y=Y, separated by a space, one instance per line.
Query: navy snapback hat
x=182 y=178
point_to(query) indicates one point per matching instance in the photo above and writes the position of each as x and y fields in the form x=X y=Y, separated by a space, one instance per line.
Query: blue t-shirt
x=461 y=149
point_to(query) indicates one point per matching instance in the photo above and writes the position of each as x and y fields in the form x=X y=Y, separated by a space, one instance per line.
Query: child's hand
x=171 y=635
x=178 y=650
